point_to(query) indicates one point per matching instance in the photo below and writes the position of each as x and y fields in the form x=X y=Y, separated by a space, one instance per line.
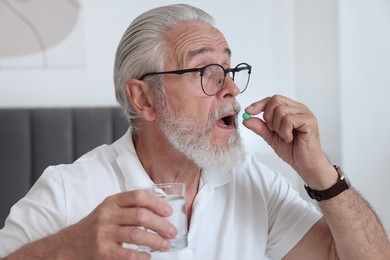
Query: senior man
x=177 y=87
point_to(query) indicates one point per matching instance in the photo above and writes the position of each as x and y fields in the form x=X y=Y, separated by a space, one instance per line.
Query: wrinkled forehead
x=196 y=43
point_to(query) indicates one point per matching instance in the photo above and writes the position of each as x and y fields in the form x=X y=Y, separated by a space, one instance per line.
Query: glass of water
x=175 y=195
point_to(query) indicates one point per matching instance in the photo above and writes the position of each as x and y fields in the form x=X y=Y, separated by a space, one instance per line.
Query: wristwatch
x=342 y=184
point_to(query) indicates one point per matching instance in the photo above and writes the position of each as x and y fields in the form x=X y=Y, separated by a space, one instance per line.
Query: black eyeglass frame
x=201 y=70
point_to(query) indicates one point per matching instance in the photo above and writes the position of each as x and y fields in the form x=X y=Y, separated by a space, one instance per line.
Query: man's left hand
x=291 y=129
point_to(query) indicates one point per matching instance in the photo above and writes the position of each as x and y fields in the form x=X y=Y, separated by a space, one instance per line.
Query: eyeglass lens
x=213 y=78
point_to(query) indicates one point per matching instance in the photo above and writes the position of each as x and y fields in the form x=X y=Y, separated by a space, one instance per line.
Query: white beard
x=194 y=141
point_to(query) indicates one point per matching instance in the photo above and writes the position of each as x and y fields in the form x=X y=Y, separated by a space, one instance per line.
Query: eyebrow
x=201 y=51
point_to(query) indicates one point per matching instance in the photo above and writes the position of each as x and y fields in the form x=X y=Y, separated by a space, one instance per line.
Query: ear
x=140 y=96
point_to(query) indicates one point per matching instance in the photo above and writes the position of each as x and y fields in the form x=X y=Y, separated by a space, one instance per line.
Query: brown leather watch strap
x=342 y=185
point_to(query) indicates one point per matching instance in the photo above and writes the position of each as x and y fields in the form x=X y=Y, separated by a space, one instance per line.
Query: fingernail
x=172 y=232
x=166 y=245
x=167 y=211
x=250 y=108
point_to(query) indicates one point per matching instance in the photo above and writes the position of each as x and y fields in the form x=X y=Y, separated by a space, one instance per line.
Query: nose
x=229 y=88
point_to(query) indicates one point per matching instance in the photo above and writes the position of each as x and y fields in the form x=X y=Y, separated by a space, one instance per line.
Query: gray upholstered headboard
x=32 y=139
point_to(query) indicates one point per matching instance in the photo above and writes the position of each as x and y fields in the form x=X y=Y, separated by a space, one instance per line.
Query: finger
x=144 y=199
x=132 y=230
x=119 y=252
x=302 y=124
x=147 y=219
x=268 y=105
x=141 y=236
x=278 y=106
x=257 y=107
x=258 y=126
x=285 y=129
x=112 y=250
x=283 y=123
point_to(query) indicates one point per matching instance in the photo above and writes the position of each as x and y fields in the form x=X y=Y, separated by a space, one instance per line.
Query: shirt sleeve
x=39 y=214
x=290 y=217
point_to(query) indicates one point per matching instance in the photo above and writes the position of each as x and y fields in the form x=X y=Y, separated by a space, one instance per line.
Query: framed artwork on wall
x=41 y=34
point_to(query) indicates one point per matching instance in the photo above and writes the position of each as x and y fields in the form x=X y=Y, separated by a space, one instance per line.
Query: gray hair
x=143 y=48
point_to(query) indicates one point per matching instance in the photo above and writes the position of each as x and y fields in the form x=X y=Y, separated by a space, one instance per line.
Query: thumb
x=259 y=127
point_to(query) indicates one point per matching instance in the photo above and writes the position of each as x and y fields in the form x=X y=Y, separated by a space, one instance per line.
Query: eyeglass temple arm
x=178 y=72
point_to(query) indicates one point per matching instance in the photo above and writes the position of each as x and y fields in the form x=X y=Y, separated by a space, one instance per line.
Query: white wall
x=317 y=67
x=365 y=93
x=259 y=32
x=343 y=74
x=332 y=55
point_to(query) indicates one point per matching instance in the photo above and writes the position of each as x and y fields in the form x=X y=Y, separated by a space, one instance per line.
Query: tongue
x=220 y=122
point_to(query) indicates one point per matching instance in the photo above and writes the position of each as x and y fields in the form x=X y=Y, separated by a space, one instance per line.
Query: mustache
x=219 y=112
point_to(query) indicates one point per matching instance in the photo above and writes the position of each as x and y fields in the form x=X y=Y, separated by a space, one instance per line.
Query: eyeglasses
x=212 y=76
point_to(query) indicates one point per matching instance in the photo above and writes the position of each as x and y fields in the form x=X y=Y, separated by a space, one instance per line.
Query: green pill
x=246 y=116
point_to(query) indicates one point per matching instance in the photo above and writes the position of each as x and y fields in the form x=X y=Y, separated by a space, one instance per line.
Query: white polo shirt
x=246 y=213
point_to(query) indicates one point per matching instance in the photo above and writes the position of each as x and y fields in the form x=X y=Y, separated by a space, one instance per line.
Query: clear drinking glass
x=175 y=195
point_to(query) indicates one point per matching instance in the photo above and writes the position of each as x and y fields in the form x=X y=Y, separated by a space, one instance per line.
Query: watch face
x=342 y=175
x=347 y=181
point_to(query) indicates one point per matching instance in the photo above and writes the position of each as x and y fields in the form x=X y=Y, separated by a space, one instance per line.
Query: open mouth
x=226 y=121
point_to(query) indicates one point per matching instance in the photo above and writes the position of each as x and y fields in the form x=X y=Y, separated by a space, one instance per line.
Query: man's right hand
x=101 y=234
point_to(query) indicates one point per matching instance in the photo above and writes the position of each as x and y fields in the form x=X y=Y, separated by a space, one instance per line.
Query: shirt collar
x=132 y=170
x=217 y=178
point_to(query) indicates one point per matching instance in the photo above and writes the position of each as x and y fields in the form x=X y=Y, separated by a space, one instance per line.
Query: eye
x=220 y=81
